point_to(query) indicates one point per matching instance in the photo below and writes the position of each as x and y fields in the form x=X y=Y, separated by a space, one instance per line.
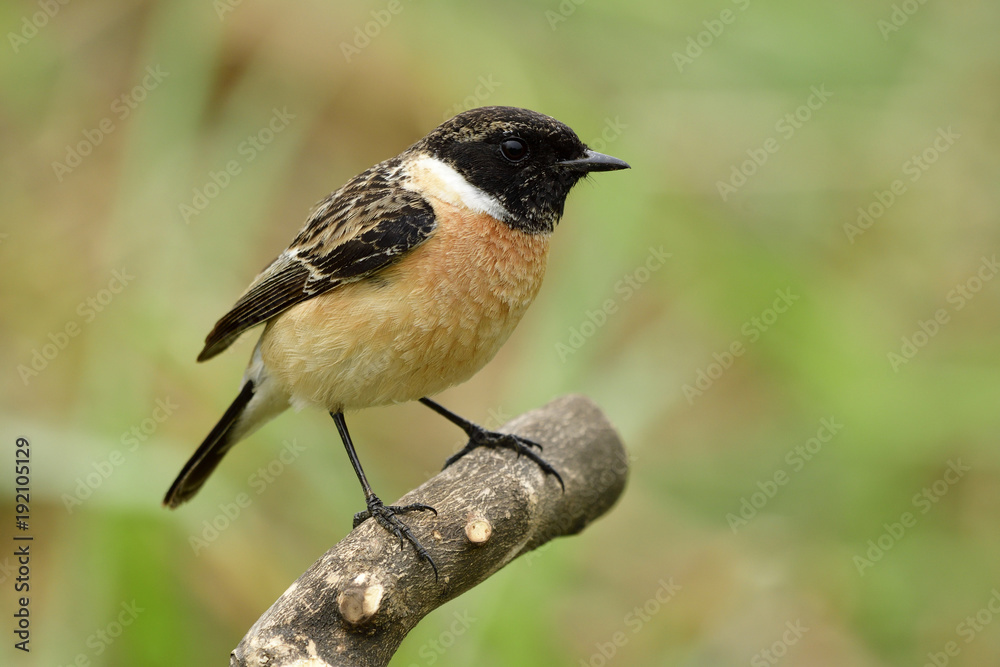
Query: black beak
x=594 y=161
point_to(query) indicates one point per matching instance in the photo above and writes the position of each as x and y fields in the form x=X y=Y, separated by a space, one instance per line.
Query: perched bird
x=402 y=283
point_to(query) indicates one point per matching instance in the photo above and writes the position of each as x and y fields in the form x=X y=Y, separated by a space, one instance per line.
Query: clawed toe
x=480 y=437
x=387 y=517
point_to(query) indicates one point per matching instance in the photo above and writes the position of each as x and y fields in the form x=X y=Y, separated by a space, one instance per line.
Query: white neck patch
x=441 y=180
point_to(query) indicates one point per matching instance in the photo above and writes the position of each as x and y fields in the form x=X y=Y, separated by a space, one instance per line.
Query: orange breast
x=428 y=322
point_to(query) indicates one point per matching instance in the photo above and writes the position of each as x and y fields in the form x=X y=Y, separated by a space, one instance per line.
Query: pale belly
x=429 y=322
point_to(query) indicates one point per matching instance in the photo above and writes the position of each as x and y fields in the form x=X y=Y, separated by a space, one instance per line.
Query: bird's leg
x=480 y=437
x=384 y=514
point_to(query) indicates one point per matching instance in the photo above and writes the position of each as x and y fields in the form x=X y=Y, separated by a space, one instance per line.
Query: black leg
x=480 y=437
x=385 y=515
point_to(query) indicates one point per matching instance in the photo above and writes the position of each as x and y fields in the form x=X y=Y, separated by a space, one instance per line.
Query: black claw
x=480 y=437
x=385 y=515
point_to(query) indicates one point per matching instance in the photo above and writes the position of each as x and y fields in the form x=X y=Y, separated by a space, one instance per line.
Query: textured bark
x=355 y=605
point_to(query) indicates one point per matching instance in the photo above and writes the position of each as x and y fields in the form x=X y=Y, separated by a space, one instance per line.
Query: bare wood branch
x=355 y=605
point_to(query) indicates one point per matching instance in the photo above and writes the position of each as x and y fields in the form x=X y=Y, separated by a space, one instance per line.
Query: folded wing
x=354 y=233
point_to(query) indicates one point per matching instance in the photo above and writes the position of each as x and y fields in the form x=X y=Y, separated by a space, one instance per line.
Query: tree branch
x=355 y=605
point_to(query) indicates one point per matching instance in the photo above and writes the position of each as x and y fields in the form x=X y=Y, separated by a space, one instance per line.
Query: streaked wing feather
x=355 y=232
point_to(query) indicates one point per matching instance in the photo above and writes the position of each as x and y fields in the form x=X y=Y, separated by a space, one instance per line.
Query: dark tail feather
x=209 y=453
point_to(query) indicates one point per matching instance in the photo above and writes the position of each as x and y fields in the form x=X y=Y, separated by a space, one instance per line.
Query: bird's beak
x=594 y=161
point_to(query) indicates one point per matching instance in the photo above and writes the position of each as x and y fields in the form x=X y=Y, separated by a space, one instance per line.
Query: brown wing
x=355 y=232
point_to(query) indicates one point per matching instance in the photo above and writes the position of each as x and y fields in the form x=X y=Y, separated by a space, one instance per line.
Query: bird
x=404 y=282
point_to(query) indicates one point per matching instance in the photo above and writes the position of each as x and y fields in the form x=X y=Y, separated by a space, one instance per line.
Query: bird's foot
x=386 y=516
x=480 y=437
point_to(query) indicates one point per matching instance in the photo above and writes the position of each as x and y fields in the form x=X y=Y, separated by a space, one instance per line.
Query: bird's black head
x=526 y=161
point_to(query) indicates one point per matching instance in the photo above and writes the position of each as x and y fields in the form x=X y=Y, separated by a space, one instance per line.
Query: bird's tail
x=240 y=419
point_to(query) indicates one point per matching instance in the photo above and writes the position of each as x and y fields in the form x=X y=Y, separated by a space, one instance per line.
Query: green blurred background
x=840 y=556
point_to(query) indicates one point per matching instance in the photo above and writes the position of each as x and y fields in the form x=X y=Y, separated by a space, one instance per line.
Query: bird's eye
x=514 y=149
